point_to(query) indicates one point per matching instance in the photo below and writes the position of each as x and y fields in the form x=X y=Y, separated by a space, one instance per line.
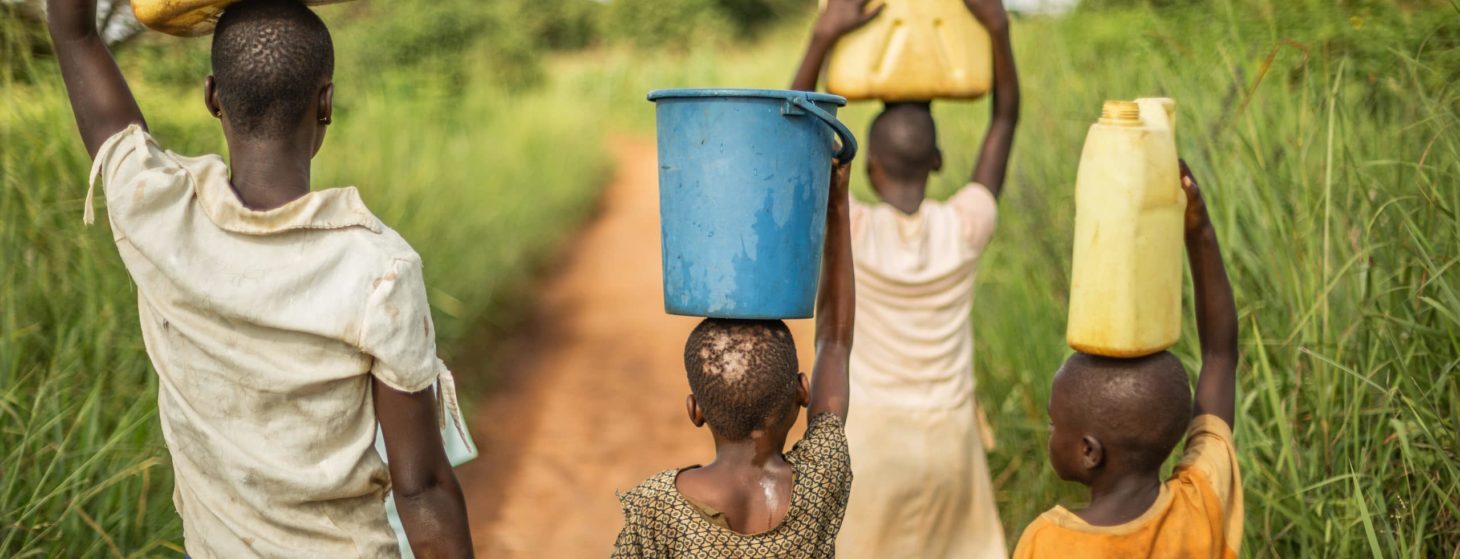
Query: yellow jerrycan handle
x=187 y=18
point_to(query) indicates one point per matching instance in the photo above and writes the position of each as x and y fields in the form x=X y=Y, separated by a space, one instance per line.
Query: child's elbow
x=412 y=487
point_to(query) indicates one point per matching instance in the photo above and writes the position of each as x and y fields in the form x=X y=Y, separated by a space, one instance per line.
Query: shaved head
x=1137 y=408
x=743 y=373
x=904 y=141
x=270 y=60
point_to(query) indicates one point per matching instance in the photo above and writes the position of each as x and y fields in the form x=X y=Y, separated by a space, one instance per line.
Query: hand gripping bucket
x=742 y=198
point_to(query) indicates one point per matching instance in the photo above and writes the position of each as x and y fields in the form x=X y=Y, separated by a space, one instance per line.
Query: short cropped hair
x=1138 y=407
x=743 y=373
x=904 y=140
x=270 y=57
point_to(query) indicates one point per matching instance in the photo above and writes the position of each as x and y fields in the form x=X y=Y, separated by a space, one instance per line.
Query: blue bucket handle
x=849 y=142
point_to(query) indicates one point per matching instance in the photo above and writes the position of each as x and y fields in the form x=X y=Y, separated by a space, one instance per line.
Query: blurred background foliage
x=511 y=36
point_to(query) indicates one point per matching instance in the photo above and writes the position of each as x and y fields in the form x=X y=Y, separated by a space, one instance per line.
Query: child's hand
x=989 y=13
x=843 y=16
x=841 y=176
x=1196 y=206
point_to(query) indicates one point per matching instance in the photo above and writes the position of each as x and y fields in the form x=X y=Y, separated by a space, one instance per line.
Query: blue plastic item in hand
x=742 y=198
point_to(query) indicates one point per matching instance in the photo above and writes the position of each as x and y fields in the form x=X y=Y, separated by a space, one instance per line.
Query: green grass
x=484 y=183
x=1328 y=142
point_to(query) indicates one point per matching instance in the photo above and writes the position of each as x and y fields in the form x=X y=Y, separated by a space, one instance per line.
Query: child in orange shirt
x=1113 y=422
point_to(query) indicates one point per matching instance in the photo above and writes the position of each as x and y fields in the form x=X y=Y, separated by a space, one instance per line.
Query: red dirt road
x=593 y=400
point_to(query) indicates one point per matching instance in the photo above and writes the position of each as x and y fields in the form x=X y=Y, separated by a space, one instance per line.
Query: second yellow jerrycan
x=916 y=50
x=187 y=18
x=1125 y=288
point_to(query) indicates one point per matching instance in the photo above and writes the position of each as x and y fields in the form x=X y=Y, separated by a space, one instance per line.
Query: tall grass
x=483 y=182
x=1327 y=138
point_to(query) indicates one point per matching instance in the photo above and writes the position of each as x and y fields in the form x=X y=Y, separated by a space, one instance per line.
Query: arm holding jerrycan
x=837 y=19
x=1216 y=313
x=993 y=157
x=835 y=304
x=100 y=98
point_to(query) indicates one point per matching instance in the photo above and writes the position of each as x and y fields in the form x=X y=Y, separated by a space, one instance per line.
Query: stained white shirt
x=265 y=329
x=914 y=276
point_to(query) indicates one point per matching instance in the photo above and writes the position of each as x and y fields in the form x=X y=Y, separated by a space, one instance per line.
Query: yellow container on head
x=916 y=50
x=187 y=18
x=1125 y=285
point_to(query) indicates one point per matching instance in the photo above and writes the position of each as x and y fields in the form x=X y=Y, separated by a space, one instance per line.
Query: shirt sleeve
x=132 y=162
x=828 y=465
x=1209 y=450
x=397 y=329
x=628 y=545
x=634 y=540
x=1028 y=546
x=978 y=211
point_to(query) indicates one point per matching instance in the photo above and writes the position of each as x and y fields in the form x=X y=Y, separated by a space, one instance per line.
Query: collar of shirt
x=334 y=208
x=1065 y=518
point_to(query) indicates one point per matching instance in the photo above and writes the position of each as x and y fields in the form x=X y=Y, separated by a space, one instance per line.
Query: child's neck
x=1117 y=499
x=756 y=451
x=269 y=174
x=905 y=197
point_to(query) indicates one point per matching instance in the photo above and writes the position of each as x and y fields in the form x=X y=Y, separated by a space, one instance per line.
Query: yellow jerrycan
x=1125 y=287
x=187 y=18
x=916 y=50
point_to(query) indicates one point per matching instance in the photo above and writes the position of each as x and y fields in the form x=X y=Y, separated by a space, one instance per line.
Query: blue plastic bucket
x=742 y=198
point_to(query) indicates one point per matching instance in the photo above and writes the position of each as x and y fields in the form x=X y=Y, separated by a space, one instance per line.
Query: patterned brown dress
x=660 y=523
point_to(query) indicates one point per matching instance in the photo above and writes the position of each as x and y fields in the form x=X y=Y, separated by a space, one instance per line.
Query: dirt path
x=593 y=400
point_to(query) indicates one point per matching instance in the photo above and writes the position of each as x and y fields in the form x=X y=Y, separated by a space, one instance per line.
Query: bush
x=444 y=38
x=559 y=24
x=652 y=23
x=22 y=37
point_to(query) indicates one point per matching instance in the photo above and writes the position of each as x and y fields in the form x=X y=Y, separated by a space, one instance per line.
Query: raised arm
x=839 y=18
x=835 y=304
x=1216 y=313
x=100 y=98
x=431 y=506
x=993 y=157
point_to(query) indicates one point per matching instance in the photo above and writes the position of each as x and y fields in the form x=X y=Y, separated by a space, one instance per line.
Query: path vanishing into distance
x=591 y=397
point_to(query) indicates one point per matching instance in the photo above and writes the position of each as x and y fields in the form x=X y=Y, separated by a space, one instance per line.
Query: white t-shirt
x=914 y=277
x=265 y=329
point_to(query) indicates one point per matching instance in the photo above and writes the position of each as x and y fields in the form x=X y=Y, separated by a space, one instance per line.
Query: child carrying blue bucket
x=753 y=202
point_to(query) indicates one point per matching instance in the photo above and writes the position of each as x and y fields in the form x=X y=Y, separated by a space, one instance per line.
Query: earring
x=218 y=113
x=326 y=120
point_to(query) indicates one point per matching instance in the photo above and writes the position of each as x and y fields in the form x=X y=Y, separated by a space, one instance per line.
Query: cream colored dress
x=922 y=487
x=265 y=329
